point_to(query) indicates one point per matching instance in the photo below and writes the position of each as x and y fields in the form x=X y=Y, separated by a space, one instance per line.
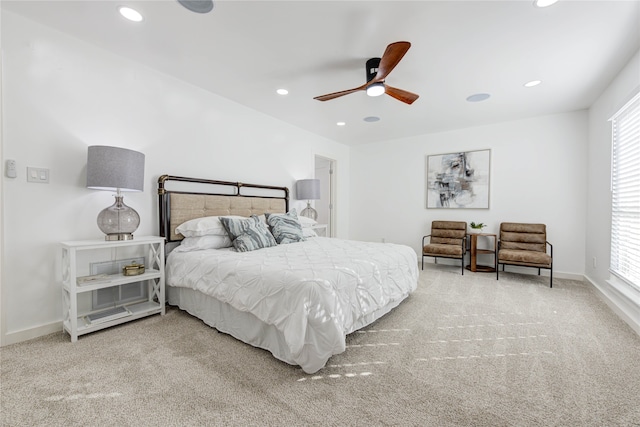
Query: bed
x=297 y=300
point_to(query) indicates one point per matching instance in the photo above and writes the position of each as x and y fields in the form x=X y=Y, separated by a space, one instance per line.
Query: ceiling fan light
x=375 y=89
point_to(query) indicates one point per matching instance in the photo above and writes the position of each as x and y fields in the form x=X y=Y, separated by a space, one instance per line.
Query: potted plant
x=477 y=228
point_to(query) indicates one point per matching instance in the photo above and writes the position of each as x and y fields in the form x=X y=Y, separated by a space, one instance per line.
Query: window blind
x=625 y=192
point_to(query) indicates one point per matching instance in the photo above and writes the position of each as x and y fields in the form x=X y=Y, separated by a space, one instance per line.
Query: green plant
x=478 y=226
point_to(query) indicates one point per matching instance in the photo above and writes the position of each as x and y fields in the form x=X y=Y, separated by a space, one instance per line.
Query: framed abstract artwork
x=458 y=180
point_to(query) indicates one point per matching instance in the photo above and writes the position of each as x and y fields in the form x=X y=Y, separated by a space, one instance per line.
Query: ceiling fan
x=377 y=70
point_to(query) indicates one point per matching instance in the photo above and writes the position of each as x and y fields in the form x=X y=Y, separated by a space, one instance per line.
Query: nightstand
x=78 y=284
x=320 y=229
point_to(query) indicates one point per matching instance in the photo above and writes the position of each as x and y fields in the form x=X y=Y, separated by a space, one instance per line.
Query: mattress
x=298 y=300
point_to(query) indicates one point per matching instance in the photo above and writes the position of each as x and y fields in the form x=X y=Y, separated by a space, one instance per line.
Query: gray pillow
x=235 y=226
x=248 y=234
x=285 y=227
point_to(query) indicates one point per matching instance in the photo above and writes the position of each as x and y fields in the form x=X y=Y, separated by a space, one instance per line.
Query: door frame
x=332 y=222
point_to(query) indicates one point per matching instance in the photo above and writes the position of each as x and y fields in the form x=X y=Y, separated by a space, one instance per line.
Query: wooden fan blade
x=339 y=94
x=401 y=95
x=390 y=58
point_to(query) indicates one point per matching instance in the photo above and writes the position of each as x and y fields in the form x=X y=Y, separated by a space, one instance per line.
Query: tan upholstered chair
x=448 y=239
x=524 y=245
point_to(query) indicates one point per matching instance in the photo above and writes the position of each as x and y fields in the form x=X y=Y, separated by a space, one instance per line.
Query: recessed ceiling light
x=341 y=123
x=532 y=83
x=544 y=3
x=282 y=92
x=478 y=97
x=130 y=14
x=371 y=119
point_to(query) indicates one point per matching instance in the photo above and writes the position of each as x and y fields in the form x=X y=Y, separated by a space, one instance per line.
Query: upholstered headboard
x=202 y=197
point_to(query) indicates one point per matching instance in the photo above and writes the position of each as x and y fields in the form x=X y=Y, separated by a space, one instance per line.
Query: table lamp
x=116 y=169
x=308 y=189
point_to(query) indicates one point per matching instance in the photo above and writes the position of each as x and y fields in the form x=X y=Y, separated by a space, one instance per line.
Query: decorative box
x=133 y=269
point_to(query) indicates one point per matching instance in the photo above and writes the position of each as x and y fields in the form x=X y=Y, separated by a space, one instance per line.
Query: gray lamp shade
x=308 y=189
x=115 y=168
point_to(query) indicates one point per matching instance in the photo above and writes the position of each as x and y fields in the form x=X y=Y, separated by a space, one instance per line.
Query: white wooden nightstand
x=79 y=319
x=320 y=229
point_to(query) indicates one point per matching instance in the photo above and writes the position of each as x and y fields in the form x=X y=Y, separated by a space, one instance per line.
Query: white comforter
x=314 y=292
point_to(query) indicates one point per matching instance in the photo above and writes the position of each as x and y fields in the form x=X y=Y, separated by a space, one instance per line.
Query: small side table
x=77 y=256
x=474 y=251
x=320 y=229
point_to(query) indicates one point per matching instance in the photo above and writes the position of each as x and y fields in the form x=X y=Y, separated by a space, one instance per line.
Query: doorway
x=325 y=206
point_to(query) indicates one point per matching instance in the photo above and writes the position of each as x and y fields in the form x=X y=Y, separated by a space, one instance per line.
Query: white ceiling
x=245 y=50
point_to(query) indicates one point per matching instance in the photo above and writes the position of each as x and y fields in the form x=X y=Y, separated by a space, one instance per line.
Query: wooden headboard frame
x=176 y=207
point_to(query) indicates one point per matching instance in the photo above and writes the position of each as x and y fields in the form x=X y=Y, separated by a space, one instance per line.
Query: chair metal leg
x=551 y=276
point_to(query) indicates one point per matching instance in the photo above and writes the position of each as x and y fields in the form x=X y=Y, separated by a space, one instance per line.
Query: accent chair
x=525 y=245
x=448 y=239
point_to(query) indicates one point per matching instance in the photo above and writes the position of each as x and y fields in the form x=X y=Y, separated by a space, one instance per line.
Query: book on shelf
x=83 y=280
x=107 y=315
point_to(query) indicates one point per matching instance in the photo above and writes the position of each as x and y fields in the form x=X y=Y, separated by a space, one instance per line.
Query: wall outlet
x=595 y=262
x=384 y=240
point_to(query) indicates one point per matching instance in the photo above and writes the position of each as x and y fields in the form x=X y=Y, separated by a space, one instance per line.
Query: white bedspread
x=314 y=292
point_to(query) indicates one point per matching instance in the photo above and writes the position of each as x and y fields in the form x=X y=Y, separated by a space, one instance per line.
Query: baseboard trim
x=31 y=333
x=512 y=269
x=625 y=308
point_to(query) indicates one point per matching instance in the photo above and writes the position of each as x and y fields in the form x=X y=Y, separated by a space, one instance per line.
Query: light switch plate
x=40 y=175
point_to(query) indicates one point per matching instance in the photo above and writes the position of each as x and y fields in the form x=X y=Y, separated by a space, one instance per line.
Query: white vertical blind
x=625 y=188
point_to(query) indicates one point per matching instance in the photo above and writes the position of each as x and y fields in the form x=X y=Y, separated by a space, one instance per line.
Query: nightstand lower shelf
x=134 y=311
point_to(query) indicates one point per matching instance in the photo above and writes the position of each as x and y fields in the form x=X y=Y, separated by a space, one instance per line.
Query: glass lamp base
x=309 y=212
x=118 y=221
x=119 y=236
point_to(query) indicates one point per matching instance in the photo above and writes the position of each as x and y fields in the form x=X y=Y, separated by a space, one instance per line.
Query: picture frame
x=458 y=180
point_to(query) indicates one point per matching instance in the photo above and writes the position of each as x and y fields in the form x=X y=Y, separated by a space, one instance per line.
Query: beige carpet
x=461 y=351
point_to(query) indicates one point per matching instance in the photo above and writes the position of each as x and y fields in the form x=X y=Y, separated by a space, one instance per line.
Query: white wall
x=61 y=95
x=598 y=241
x=538 y=174
x=2 y=322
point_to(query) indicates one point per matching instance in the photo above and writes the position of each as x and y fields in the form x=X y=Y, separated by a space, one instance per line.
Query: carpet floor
x=460 y=351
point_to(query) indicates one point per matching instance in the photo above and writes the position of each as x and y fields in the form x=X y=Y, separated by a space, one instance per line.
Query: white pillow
x=308 y=232
x=205 y=242
x=208 y=225
x=306 y=222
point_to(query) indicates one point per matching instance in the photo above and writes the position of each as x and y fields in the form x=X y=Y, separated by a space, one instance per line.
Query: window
x=625 y=192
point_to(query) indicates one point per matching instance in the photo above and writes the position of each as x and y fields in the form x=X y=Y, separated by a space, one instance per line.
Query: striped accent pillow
x=248 y=234
x=285 y=227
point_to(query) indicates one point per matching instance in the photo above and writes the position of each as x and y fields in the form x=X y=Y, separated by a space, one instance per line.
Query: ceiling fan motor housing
x=372 y=68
